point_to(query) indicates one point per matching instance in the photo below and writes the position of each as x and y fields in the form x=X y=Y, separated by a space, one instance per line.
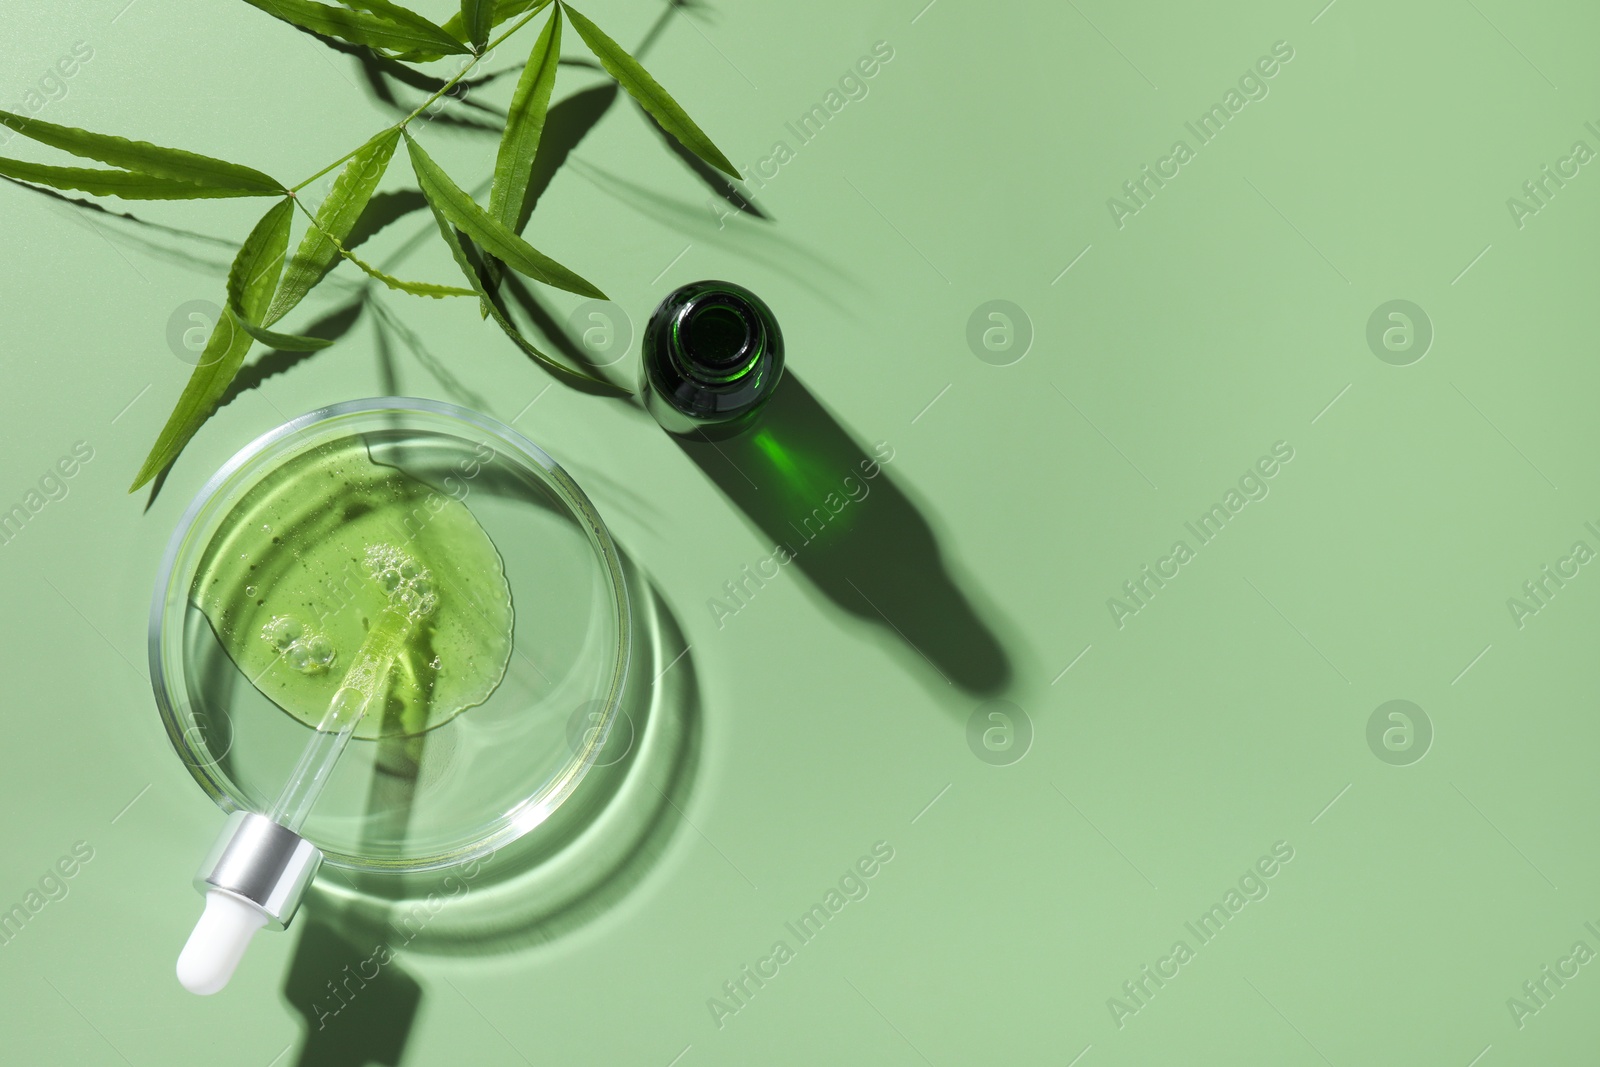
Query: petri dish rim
x=190 y=537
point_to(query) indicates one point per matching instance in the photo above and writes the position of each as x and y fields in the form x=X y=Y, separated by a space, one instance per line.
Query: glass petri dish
x=418 y=794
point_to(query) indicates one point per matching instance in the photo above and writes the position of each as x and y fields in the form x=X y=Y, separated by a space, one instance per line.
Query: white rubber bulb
x=218 y=942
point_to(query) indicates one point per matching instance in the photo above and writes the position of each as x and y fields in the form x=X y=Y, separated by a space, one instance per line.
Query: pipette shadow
x=358 y=1003
x=349 y=978
x=358 y=1000
x=833 y=508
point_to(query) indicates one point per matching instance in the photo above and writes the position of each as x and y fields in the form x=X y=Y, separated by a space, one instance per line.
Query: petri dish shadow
x=348 y=977
x=590 y=850
x=805 y=482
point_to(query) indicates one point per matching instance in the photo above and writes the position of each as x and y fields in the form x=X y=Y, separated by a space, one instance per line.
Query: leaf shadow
x=390 y=329
x=688 y=8
x=131 y=237
x=274 y=362
x=388 y=371
x=155 y=485
x=744 y=238
x=382 y=211
x=554 y=332
x=497 y=282
x=270 y=364
x=383 y=74
x=714 y=179
x=566 y=124
x=101 y=209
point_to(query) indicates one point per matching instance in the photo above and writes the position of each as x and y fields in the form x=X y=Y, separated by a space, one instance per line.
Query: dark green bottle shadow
x=346 y=978
x=812 y=489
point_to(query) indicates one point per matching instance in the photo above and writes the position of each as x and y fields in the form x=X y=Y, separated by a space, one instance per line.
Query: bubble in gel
x=320 y=650
x=310 y=655
x=298 y=658
x=408 y=583
x=282 y=631
x=302 y=650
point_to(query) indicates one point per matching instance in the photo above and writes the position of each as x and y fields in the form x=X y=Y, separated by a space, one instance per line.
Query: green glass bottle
x=712 y=355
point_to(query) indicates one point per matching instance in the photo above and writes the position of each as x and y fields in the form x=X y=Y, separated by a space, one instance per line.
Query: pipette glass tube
x=411 y=599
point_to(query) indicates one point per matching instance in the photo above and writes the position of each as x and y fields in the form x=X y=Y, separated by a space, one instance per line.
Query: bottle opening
x=718 y=335
x=712 y=354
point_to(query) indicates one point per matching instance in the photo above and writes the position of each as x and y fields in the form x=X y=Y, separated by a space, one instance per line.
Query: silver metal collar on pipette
x=262 y=862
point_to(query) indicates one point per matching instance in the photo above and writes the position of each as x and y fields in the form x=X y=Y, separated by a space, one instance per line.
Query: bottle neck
x=716 y=338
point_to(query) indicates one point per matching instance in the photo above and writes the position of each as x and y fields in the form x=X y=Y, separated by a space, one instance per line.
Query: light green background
x=1227 y=315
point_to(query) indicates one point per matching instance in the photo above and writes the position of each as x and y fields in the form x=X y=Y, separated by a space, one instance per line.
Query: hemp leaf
x=645 y=89
x=250 y=286
x=147 y=159
x=264 y=286
x=475 y=18
x=122 y=183
x=504 y=10
x=397 y=29
x=496 y=237
x=319 y=249
x=524 y=125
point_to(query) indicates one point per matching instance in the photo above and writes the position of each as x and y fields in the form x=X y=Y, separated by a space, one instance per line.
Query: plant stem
x=445 y=88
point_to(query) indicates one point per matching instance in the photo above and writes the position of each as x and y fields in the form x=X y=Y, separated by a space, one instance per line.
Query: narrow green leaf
x=453 y=240
x=504 y=11
x=360 y=27
x=645 y=89
x=126 y=184
x=475 y=19
x=402 y=16
x=519 y=143
x=146 y=158
x=488 y=232
x=284 y=342
x=319 y=248
x=223 y=355
x=250 y=285
x=524 y=126
x=256 y=268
